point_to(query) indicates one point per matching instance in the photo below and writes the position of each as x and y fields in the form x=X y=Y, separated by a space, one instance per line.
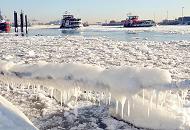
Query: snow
x=12 y=118
x=124 y=76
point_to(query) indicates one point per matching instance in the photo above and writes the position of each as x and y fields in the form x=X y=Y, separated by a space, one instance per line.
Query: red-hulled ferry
x=133 y=21
x=4 y=25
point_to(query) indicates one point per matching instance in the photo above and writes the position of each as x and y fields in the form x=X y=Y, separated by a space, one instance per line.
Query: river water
x=158 y=33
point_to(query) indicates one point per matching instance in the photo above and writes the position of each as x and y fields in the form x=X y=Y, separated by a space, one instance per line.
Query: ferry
x=70 y=22
x=4 y=25
x=133 y=21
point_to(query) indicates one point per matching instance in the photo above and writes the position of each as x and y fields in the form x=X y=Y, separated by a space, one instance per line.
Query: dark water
x=119 y=33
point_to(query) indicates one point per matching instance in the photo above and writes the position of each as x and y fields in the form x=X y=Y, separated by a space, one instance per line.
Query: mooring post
x=22 y=23
x=26 y=22
x=15 y=22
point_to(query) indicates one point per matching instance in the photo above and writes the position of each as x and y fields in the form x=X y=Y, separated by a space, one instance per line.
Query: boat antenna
x=0 y=11
x=1 y=17
x=66 y=12
x=128 y=14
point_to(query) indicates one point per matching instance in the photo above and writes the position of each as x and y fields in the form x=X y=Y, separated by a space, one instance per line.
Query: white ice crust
x=141 y=96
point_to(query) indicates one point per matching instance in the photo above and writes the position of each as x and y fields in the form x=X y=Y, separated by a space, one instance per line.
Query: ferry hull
x=133 y=22
x=137 y=26
x=5 y=27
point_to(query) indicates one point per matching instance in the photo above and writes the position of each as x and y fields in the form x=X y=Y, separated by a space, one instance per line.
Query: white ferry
x=70 y=22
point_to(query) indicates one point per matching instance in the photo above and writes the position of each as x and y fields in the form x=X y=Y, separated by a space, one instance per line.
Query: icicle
x=23 y=86
x=132 y=101
x=106 y=97
x=109 y=98
x=184 y=94
x=61 y=98
x=148 y=112
x=151 y=101
x=170 y=92
x=68 y=94
x=52 y=90
x=76 y=112
x=38 y=87
x=106 y=100
x=43 y=88
x=157 y=98
x=99 y=100
x=116 y=110
x=65 y=95
x=122 y=106
x=76 y=94
x=29 y=85
x=128 y=108
x=86 y=95
x=8 y=88
x=143 y=95
x=90 y=95
x=151 y=98
x=102 y=96
x=34 y=90
x=179 y=100
x=11 y=86
x=164 y=98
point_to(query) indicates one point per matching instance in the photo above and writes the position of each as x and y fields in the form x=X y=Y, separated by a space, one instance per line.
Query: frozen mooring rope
x=145 y=98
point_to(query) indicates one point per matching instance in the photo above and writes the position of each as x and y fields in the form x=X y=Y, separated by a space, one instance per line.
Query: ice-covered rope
x=68 y=84
x=128 y=87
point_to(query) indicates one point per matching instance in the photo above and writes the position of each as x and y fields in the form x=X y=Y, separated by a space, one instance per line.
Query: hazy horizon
x=97 y=10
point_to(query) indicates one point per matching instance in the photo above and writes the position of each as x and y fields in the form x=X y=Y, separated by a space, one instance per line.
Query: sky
x=96 y=10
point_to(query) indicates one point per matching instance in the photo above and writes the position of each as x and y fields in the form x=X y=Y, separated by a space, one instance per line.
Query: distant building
x=114 y=23
x=184 y=20
x=56 y=22
x=98 y=23
x=180 y=20
x=169 y=22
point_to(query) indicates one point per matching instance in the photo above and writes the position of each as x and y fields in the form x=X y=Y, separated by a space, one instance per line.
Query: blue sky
x=96 y=10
